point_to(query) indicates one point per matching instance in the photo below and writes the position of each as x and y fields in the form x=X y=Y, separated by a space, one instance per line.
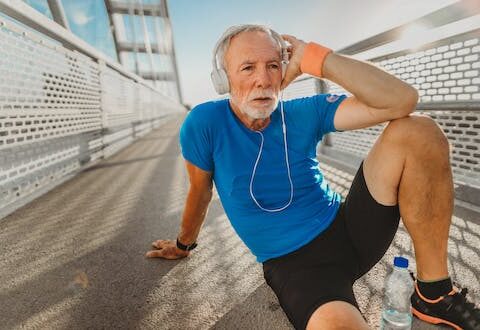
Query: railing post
x=58 y=13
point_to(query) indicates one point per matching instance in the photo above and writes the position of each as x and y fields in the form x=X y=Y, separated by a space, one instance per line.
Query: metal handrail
x=441 y=17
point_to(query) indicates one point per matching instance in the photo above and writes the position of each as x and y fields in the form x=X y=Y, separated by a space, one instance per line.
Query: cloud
x=81 y=18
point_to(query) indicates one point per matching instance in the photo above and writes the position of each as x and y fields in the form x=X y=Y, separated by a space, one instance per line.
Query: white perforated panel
x=301 y=88
x=357 y=142
x=461 y=127
x=119 y=99
x=444 y=73
x=59 y=110
x=124 y=101
x=463 y=131
x=31 y=168
x=45 y=91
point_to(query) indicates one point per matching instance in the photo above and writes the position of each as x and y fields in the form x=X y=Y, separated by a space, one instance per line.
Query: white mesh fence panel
x=45 y=92
x=463 y=131
x=119 y=99
x=59 y=110
x=449 y=72
x=300 y=88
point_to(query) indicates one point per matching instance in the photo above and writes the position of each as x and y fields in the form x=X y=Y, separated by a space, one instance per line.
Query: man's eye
x=247 y=68
x=274 y=66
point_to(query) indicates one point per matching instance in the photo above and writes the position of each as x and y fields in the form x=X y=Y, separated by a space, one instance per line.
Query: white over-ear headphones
x=219 y=75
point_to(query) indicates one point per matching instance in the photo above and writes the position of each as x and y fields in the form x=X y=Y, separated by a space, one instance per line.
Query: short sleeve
x=326 y=106
x=195 y=140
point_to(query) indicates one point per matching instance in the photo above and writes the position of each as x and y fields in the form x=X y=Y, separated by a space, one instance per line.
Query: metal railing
x=445 y=70
x=63 y=105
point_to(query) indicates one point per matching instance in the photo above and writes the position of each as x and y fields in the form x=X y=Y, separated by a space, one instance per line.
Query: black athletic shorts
x=325 y=269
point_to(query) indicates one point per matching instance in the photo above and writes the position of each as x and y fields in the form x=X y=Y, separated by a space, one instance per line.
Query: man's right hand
x=296 y=51
x=166 y=249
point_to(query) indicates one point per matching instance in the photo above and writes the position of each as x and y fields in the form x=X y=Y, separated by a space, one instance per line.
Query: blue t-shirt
x=214 y=139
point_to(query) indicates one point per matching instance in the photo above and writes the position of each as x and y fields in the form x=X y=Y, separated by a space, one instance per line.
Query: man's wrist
x=313 y=58
x=186 y=247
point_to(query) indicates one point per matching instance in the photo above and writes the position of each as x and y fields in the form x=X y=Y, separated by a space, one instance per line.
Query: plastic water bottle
x=397 y=313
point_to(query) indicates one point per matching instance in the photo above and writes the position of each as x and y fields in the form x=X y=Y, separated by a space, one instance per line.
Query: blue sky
x=334 y=23
x=87 y=19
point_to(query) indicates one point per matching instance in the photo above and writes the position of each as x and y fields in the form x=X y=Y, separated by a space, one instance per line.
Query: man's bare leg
x=337 y=315
x=409 y=164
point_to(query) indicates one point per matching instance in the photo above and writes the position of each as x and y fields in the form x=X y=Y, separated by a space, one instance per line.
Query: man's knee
x=336 y=315
x=417 y=132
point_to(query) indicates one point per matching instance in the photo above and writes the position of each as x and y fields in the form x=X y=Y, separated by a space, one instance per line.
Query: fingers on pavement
x=155 y=254
x=159 y=244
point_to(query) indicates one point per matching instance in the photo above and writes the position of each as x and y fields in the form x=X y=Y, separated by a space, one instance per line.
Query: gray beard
x=255 y=113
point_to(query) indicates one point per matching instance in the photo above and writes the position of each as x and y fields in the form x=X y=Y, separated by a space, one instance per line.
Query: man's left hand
x=166 y=249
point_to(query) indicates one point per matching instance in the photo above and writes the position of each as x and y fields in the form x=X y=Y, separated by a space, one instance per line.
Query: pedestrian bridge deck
x=74 y=257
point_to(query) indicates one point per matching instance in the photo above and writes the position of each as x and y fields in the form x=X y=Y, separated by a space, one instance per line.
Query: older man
x=262 y=158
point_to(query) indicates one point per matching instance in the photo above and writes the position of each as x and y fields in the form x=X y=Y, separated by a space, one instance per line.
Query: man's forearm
x=196 y=207
x=369 y=84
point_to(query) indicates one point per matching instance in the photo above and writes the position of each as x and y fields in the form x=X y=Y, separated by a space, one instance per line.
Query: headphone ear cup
x=220 y=81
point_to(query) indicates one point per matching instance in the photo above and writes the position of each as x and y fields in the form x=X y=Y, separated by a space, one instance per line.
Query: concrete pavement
x=74 y=258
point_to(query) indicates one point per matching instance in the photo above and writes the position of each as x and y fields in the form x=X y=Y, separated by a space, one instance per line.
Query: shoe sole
x=433 y=320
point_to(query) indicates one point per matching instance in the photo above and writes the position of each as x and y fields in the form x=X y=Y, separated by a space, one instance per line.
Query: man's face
x=253 y=66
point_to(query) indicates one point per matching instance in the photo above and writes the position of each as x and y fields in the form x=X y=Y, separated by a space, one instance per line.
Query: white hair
x=224 y=41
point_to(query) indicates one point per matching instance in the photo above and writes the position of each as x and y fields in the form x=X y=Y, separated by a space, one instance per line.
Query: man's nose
x=263 y=78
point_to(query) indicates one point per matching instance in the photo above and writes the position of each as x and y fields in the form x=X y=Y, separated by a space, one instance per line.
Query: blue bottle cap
x=400 y=262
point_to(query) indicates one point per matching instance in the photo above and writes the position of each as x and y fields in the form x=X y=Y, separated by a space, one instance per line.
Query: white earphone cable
x=284 y=130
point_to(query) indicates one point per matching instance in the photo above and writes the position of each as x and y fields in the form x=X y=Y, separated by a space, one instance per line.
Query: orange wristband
x=313 y=57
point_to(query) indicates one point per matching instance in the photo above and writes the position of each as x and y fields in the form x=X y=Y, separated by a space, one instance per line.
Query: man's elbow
x=208 y=196
x=408 y=104
x=411 y=100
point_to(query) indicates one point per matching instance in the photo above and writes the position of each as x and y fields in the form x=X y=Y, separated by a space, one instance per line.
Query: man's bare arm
x=377 y=95
x=196 y=206
x=198 y=199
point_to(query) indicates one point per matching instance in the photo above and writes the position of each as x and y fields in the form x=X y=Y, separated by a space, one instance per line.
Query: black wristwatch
x=186 y=247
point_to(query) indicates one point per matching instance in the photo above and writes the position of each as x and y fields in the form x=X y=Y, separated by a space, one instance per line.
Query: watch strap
x=186 y=247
